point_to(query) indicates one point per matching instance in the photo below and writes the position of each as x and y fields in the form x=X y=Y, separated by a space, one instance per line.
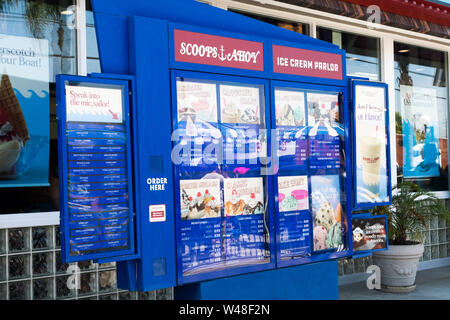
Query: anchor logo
x=222 y=56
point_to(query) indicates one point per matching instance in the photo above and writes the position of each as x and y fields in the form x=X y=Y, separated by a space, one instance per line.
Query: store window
x=93 y=59
x=298 y=27
x=363 y=53
x=37 y=41
x=421 y=92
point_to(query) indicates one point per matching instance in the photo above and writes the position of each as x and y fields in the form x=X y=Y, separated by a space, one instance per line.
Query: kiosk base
x=317 y=281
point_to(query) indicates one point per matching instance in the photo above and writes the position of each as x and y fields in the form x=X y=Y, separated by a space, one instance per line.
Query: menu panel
x=371 y=144
x=222 y=220
x=309 y=135
x=97 y=174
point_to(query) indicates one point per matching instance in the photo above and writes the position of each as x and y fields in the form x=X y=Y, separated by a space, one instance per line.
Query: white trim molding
x=32 y=219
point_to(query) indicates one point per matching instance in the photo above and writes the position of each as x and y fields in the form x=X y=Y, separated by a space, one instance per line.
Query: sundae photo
x=200 y=199
x=243 y=196
x=239 y=104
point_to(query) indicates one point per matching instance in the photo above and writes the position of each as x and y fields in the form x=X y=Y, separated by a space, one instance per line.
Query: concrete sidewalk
x=432 y=284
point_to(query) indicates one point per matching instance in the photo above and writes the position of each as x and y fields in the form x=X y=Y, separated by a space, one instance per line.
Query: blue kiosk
x=220 y=155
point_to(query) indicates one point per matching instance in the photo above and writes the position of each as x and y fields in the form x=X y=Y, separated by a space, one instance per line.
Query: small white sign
x=157 y=212
x=91 y=104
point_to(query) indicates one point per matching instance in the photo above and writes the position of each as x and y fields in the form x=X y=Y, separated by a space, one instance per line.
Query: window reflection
x=42 y=35
x=363 y=53
x=421 y=116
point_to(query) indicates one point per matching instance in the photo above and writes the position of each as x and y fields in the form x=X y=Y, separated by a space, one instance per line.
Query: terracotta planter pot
x=398 y=266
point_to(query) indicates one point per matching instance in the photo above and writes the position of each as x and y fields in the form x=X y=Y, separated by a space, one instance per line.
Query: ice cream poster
x=243 y=196
x=200 y=198
x=369 y=233
x=290 y=108
x=240 y=104
x=293 y=193
x=370 y=134
x=326 y=212
x=196 y=101
x=420 y=128
x=24 y=112
x=323 y=113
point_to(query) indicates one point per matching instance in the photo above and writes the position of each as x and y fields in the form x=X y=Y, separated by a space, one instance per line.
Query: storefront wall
x=389 y=39
x=30 y=266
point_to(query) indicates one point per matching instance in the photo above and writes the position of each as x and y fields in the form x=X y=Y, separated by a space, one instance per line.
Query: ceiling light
x=403 y=50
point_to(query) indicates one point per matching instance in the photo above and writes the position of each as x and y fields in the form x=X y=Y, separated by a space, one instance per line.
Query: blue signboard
x=371 y=147
x=95 y=168
x=222 y=217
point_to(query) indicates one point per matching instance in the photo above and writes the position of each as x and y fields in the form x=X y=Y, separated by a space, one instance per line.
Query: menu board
x=309 y=136
x=197 y=135
x=99 y=203
x=200 y=231
x=291 y=128
x=294 y=217
x=241 y=123
x=222 y=220
x=244 y=224
x=371 y=144
x=369 y=233
x=323 y=136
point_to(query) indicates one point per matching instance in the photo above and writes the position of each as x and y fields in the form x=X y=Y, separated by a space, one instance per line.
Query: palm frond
x=411 y=211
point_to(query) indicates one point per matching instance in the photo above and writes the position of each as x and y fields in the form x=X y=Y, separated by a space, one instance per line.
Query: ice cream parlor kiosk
x=219 y=155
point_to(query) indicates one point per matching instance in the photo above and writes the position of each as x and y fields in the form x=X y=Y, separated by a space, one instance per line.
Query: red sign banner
x=302 y=62
x=220 y=51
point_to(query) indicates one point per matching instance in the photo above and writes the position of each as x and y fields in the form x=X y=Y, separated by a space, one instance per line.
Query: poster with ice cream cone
x=243 y=196
x=326 y=211
x=196 y=101
x=24 y=110
x=370 y=144
x=200 y=198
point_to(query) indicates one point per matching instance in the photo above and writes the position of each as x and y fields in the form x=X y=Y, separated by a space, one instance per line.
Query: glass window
x=421 y=93
x=93 y=59
x=299 y=27
x=37 y=41
x=363 y=53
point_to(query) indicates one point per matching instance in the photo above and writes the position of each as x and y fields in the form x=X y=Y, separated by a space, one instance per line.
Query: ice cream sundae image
x=239 y=206
x=13 y=129
x=203 y=206
x=253 y=206
x=230 y=113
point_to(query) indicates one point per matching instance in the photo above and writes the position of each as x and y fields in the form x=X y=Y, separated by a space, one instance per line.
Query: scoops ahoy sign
x=214 y=50
x=200 y=48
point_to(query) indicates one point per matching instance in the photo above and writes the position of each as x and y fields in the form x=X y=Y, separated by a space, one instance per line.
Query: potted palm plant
x=409 y=215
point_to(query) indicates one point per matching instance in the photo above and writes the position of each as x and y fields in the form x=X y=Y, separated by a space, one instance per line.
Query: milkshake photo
x=370 y=151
